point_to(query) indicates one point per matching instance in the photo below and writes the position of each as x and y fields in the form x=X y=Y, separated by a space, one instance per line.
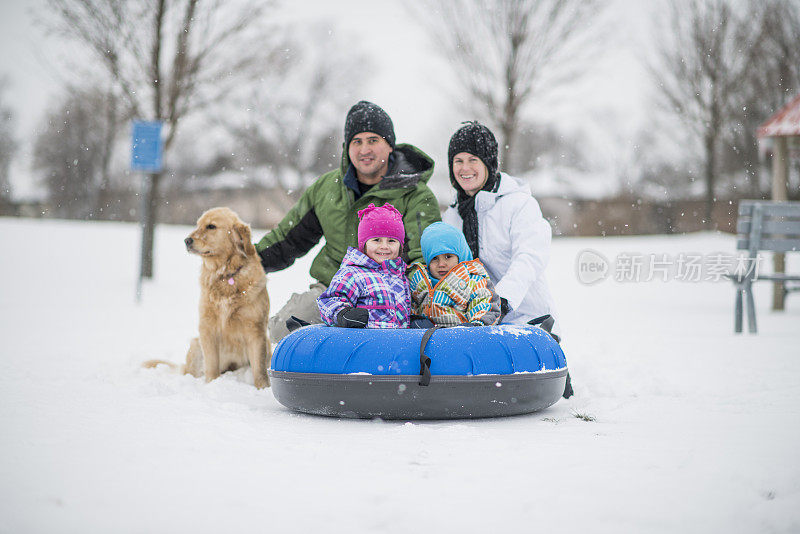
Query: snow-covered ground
x=695 y=429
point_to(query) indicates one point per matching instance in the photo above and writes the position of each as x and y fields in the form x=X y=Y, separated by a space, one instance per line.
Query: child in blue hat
x=451 y=288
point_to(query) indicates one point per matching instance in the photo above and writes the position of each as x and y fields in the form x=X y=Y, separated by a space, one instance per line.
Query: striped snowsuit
x=464 y=295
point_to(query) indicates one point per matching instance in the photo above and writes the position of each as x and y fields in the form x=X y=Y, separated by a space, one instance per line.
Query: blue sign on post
x=146 y=146
x=146 y=149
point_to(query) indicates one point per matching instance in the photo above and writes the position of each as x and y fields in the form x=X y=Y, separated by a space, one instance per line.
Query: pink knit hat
x=383 y=221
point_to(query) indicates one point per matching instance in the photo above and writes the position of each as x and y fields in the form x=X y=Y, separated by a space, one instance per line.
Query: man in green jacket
x=374 y=170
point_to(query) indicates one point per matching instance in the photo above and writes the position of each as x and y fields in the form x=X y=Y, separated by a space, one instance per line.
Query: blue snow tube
x=461 y=372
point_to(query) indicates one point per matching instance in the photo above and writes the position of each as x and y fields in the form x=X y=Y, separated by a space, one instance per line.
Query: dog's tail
x=151 y=364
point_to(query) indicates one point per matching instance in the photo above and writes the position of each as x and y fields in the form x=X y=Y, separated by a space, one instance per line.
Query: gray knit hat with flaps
x=368 y=117
x=478 y=140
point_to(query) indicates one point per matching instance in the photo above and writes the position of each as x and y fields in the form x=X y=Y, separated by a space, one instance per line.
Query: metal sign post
x=146 y=154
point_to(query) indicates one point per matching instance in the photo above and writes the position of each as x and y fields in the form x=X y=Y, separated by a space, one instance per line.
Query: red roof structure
x=786 y=122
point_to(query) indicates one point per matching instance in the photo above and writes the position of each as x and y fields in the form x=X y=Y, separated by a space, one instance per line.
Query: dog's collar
x=229 y=277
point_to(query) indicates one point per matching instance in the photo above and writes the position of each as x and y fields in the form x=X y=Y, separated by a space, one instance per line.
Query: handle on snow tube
x=424 y=360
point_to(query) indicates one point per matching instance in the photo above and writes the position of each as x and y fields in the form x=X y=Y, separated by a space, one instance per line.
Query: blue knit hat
x=441 y=238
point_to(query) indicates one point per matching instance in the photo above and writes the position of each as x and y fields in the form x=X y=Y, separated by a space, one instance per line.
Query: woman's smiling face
x=470 y=172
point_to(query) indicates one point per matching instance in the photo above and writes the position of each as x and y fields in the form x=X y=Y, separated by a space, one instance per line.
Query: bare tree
x=294 y=128
x=708 y=51
x=769 y=87
x=73 y=152
x=506 y=52
x=167 y=58
x=8 y=147
x=780 y=51
x=541 y=144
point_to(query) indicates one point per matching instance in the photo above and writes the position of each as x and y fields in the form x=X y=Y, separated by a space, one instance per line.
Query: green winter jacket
x=329 y=209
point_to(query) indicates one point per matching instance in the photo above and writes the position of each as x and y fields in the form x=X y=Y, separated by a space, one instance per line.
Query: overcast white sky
x=408 y=79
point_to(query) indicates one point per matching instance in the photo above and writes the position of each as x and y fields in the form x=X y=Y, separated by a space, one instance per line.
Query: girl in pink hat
x=370 y=289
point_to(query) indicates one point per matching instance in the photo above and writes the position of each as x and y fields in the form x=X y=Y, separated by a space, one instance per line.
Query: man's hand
x=504 y=307
x=352 y=318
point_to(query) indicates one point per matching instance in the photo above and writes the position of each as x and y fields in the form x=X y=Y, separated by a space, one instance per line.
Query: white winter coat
x=514 y=241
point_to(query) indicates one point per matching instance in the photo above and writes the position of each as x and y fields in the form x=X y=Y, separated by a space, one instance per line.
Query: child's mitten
x=352 y=318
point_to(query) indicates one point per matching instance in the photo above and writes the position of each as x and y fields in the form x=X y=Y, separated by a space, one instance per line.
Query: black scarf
x=465 y=205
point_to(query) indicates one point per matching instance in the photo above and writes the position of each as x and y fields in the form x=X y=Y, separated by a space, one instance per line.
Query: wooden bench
x=763 y=226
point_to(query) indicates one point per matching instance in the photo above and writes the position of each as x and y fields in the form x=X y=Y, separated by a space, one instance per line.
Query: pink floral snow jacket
x=361 y=282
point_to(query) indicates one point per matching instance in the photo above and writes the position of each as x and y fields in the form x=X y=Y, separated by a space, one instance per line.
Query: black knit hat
x=368 y=117
x=478 y=140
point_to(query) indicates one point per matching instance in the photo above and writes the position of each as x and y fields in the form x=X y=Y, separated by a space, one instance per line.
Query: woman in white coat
x=503 y=225
x=502 y=222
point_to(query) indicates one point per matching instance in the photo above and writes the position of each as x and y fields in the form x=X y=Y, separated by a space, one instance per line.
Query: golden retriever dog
x=234 y=305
